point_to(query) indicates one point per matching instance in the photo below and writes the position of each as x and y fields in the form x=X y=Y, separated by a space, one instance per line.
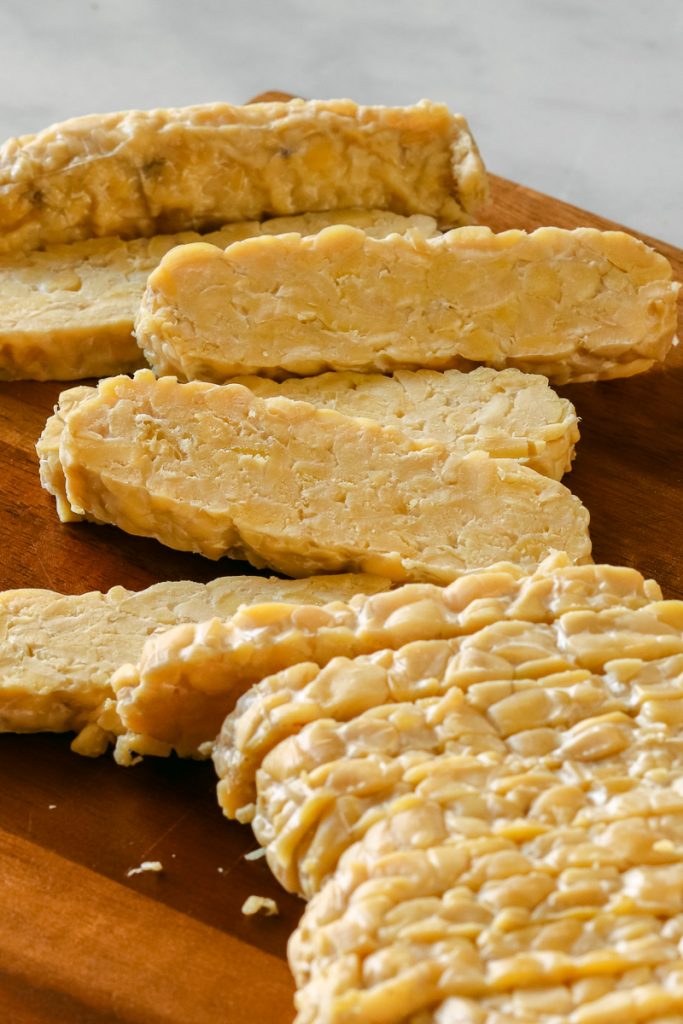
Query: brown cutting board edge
x=82 y=943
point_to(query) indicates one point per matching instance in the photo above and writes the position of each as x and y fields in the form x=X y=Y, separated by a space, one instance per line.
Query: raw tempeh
x=321 y=788
x=220 y=471
x=194 y=168
x=434 y=918
x=507 y=413
x=68 y=312
x=483 y=607
x=573 y=305
x=188 y=679
x=58 y=652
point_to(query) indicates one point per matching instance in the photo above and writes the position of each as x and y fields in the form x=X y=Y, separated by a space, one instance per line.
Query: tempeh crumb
x=260 y=905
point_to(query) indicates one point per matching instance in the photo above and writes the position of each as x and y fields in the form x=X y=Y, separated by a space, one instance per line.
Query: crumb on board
x=147 y=865
x=51 y=807
x=255 y=854
x=245 y=814
x=260 y=905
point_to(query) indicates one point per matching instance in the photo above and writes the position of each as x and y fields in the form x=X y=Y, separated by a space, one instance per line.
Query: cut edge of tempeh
x=573 y=305
x=460 y=410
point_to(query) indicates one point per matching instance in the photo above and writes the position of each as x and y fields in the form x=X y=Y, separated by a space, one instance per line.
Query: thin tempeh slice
x=194 y=168
x=188 y=679
x=507 y=413
x=58 y=652
x=220 y=471
x=573 y=305
x=67 y=313
x=284 y=703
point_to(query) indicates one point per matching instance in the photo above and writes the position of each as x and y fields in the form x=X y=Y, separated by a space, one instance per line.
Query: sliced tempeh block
x=491 y=645
x=220 y=471
x=573 y=305
x=188 y=679
x=68 y=312
x=58 y=652
x=320 y=789
x=194 y=168
x=507 y=413
x=509 y=850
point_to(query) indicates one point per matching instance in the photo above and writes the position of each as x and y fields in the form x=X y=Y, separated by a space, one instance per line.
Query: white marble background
x=580 y=98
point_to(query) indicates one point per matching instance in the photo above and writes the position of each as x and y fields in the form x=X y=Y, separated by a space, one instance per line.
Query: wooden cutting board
x=81 y=942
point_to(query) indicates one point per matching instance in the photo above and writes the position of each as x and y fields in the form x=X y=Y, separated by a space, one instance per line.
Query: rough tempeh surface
x=194 y=168
x=573 y=305
x=67 y=312
x=560 y=915
x=220 y=471
x=320 y=790
x=189 y=678
x=501 y=623
x=507 y=413
x=58 y=652
x=508 y=851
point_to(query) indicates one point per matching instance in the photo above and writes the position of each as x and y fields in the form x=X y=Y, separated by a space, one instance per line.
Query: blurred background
x=582 y=99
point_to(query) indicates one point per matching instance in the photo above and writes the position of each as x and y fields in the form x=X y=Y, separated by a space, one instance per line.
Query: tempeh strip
x=573 y=305
x=219 y=471
x=146 y=172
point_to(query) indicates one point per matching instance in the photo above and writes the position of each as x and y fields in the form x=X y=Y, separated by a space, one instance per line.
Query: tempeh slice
x=139 y=173
x=284 y=703
x=573 y=305
x=58 y=652
x=507 y=413
x=219 y=471
x=320 y=790
x=67 y=312
x=188 y=679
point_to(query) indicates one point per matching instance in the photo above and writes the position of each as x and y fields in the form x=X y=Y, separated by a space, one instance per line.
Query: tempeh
x=146 y=172
x=507 y=413
x=573 y=305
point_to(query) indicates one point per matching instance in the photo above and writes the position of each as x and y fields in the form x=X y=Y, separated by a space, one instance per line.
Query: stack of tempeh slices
x=472 y=776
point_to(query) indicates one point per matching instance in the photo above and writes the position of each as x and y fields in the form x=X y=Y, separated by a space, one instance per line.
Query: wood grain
x=80 y=942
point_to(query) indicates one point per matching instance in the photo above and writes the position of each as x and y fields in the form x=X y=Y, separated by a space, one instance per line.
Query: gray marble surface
x=582 y=99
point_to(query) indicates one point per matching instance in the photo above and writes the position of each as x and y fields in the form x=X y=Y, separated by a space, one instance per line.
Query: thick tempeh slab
x=193 y=168
x=220 y=471
x=507 y=413
x=188 y=679
x=58 y=652
x=573 y=305
x=487 y=608
x=67 y=313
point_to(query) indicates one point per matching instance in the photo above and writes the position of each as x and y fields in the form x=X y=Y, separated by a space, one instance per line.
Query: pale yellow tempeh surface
x=302 y=490
x=490 y=828
x=507 y=413
x=58 y=652
x=188 y=679
x=497 y=623
x=573 y=305
x=67 y=312
x=194 y=168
